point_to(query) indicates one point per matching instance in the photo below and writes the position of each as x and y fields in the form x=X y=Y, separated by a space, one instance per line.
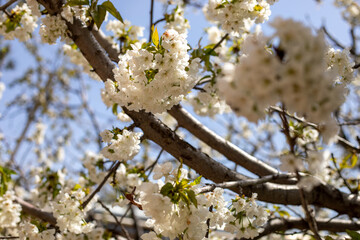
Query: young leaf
x=166 y=189
x=155 y=37
x=354 y=235
x=115 y=109
x=99 y=15
x=112 y=10
x=77 y=2
x=196 y=181
x=192 y=197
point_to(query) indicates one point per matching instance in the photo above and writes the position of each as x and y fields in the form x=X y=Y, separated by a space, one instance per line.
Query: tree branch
x=335 y=225
x=229 y=150
x=35 y=212
x=322 y=195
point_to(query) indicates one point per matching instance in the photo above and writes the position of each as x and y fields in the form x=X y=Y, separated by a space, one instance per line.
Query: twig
x=151 y=167
x=340 y=174
x=218 y=44
x=332 y=38
x=115 y=218
x=310 y=219
x=160 y=20
x=247 y=183
x=92 y=195
x=6 y=5
x=151 y=18
x=34 y=211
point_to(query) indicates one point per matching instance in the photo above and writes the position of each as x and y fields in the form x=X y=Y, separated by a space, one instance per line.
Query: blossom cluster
x=177 y=21
x=52 y=27
x=29 y=231
x=69 y=214
x=339 y=62
x=178 y=208
x=207 y=102
x=247 y=216
x=21 y=24
x=10 y=211
x=121 y=30
x=294 y=73
x=237 y=16
x=123 y=146
x=153 y=79
x=314 y=164
x=90 y=162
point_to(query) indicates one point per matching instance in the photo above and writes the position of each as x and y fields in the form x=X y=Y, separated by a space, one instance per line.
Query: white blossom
x=9 y=210
x=21 y=25
x=123 y=146
x=153 y=82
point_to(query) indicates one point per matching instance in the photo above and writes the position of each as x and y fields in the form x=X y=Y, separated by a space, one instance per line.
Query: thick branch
x=335 y=225
x=218 y=143
x=35 y=212
x=155 y=130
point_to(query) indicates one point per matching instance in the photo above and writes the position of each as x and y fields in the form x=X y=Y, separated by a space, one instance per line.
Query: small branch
x=92 y=195
x=115 y=218
x=334 y=40
x=160 y=20
x=218 y=44
x=279 y=110
x=151 y=167
x=340 y=174
x=6 y=5
x=151 y=18
x=310 y=219
x=35 y=212
x=247 y=183
x=282 y=224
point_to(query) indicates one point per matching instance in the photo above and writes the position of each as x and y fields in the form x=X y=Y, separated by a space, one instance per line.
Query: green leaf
x=192 y=197
x=115 y=109
x=166 y=189
x=77 y=187
x=155 y=36
x=185 y=198
x=354 y=235
x=283 y=213
x=99 y=15
x=112 y=10
x=77 y=2
x=5 y=178
x=196 y=181
x=328 y=238
x=349 y=161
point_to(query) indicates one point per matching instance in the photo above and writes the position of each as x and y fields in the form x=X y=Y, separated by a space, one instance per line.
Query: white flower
x=291 y=163
x=300 y=80
x=106 y=136
x=123 y=146
x=145 y=82
x=69 y=216
x=52 y=27
x=22 y=24
x=237 y=16
x=10 y=211
x=162 y=170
